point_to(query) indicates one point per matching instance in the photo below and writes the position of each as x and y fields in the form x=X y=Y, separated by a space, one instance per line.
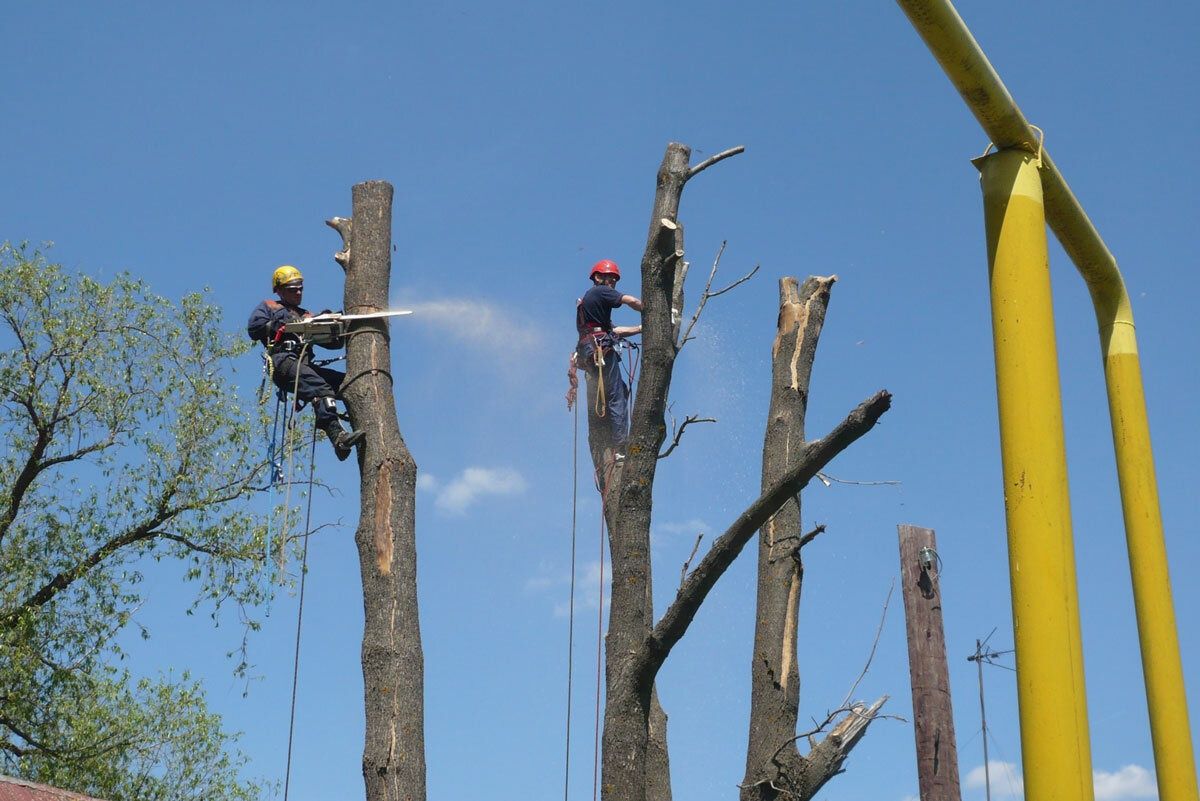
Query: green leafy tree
x=125 y=444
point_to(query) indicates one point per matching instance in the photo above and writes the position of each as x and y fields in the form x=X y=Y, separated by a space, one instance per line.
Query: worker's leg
x=599 y=436
x=617 y=395
x=318 y=385
x=333 y=378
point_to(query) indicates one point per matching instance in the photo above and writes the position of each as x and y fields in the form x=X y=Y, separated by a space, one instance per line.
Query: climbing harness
x=600 y=406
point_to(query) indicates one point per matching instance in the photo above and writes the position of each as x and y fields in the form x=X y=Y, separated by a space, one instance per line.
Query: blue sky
x=202 y=146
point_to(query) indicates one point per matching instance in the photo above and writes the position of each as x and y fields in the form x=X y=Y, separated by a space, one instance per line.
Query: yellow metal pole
x=1050 y=686
x=951 y=43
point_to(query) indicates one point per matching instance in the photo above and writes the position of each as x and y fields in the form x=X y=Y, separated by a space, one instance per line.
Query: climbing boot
x=343 y=441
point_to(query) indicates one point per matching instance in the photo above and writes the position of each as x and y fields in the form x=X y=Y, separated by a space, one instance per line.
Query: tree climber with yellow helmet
x=292 y=367
x=596 y=355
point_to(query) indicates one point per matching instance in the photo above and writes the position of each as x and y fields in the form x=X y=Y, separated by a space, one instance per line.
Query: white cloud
x=478 y=324
x=426 y=482
x=587 y=588
x=1131 y=781
x=689 y=527
x=476 y=482
x=1006 y=779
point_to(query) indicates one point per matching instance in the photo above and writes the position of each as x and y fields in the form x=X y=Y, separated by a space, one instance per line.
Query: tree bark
x=774 y=766
x=393 y=665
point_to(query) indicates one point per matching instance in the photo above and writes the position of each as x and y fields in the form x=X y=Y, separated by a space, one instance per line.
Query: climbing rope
x=632 y=359
x=571 y=602
x=312 y=459
x=291 y=451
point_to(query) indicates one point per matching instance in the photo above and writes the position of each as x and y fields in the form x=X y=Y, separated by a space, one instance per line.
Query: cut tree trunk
x=774 y=767
x=393 y=665
x=628 y=508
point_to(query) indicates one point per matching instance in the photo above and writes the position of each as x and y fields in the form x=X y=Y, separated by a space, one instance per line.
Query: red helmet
x=605 y=267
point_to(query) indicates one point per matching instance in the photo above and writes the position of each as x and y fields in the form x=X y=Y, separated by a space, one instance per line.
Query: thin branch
x=712 y=273
x=691 y=418
x=736 y=283
x=310 y=532
x=691 y=556
x=828 y=480
x=708 y=162
x=708 y=293
x=810 y=536
x=874 y=645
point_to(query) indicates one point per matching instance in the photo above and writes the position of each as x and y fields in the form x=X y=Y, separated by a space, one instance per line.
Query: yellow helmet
x=285 y=275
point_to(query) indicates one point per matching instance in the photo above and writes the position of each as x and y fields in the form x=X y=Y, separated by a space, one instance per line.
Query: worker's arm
x=627 y=330
x=264 y=322
x=631 y=302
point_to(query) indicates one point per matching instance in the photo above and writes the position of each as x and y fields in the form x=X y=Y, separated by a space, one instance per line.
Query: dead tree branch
x=691 y=418
x=688 y=563
x=708 y=293
x=708 y=162
x=874 y=645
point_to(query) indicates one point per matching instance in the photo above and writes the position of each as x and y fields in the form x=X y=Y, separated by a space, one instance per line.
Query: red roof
x=21 y=790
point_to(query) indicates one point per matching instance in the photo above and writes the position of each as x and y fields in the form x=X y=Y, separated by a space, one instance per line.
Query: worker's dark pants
x=611 y=430
x=315 y=382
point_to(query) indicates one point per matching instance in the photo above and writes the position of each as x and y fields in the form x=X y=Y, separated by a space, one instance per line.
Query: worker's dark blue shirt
x=595 y=309
x=268 y=316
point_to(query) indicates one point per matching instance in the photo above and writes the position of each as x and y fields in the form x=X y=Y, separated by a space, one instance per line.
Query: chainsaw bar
x=325 y=329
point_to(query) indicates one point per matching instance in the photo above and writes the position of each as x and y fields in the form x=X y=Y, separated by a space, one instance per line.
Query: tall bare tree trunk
x=629 y=497
x=393 y=664
x=774 y=672
x=774 y=767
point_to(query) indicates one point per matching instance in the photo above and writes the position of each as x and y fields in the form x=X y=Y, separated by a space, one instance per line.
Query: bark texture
x=393 y=665
x=774 y=766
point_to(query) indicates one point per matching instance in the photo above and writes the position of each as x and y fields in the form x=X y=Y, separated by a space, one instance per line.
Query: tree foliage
x=125 y=445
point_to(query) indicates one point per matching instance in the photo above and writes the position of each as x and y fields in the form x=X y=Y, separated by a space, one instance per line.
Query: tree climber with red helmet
x=291 y=363
x=596 y=355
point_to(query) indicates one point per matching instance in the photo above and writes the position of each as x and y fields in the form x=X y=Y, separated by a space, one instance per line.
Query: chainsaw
x=329 y=327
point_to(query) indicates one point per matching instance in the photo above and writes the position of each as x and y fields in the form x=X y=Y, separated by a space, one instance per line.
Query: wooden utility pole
x=933 y=717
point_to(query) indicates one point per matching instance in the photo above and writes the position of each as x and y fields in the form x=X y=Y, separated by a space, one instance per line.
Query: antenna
x=980 y=656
